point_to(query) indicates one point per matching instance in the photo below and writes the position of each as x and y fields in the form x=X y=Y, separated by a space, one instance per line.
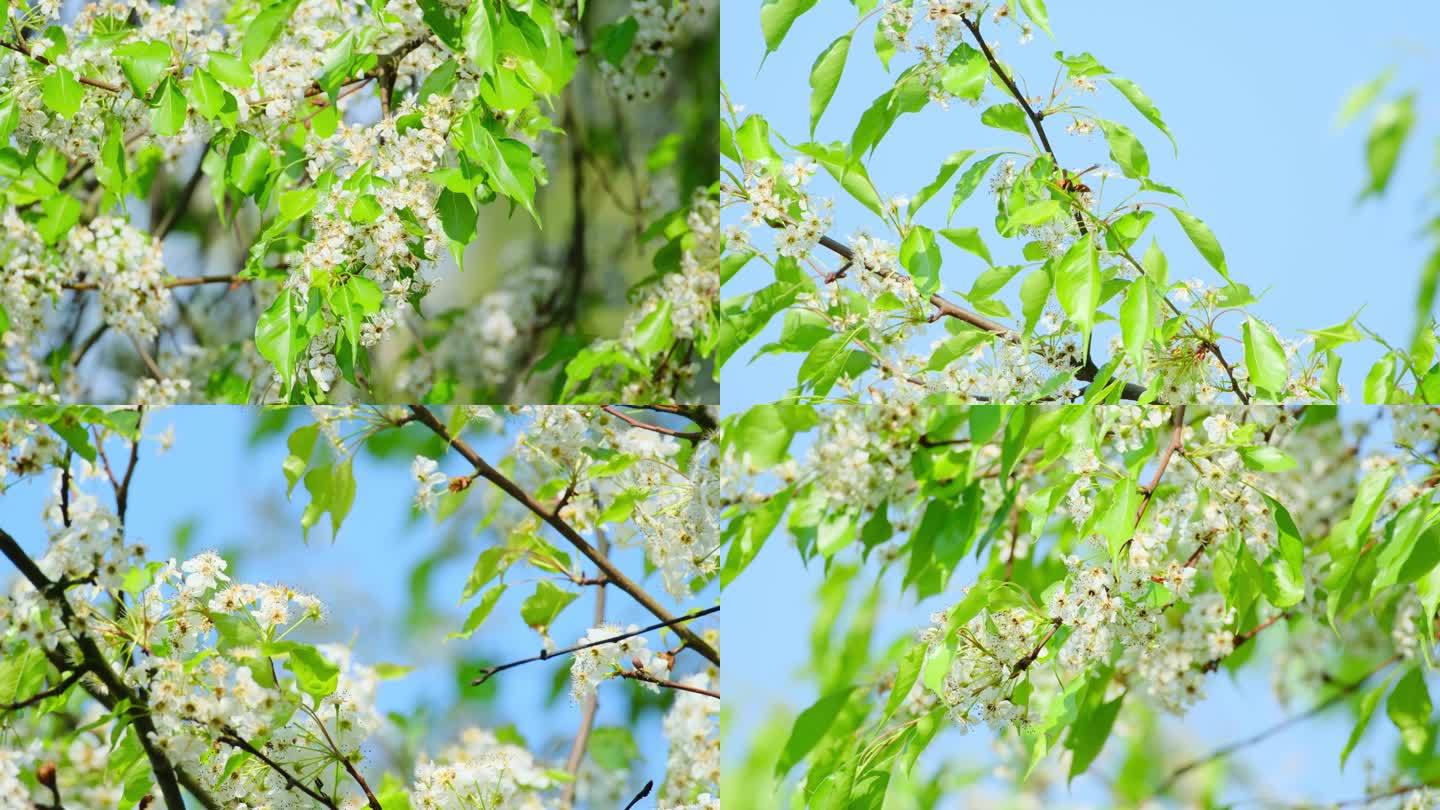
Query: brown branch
x=592 y=704
x=60 y=688
x=948 y=308
x=1029 y=658
x=1177 y=440
x=642 y=675
x=20 y=48
x=699 y=414
x=1230 y=748
x=664 y=431
x=1242 y=638
x=616 y=576
x=230 y=737
x=182 y=281
x=545 y=655
x=95 y=661
x=173 y=215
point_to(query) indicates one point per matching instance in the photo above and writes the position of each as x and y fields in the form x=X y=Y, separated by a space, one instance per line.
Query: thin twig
x=546 y=655
x=58 y=689
x=1230 y=748
x=642 y=675
x=691 y=436
x=230 y=737
x=645 y=791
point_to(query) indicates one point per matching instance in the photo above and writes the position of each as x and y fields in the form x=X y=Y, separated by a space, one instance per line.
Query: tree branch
x=545 y=655
x=60 y=688
x=234 y=739
x=1230 y=748
x=642 y=675
x=95 y=661
x=592 y=705
x=664 y=431
x=615 y=575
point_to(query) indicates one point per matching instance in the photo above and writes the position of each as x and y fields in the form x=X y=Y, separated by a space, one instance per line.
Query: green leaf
x=168 y=115
x=968 y=182
x=1126 y=150
x=1361 y=97
x=1204 y=240
x=61 y=92
x=264 y=30
x=1409 y=708
x=1265 y=458
x=478 y=35
x=353 y=302
x=230 y=69
x=1367 y=710
x=906 y=674
x=810 y=726
x=280 y=336
x=968 y=239
x=1143 y=104
x=825 y=77
x=314 y=673
x=542 y=606
x=247 y=164
x=776 y=17
x=1265 y=357
x=1405 y=530
x=1077 y=284
x=1006 y=116
x=1036 y=213
x=1092 y=727
x=1035 y=10
x=947 y=170
x=761 y=436
x=965 y=73
x=1387 y=137
x=143 y=63
x=506 y=160
x=613 y=748
x=480 y=612
x=207 y=94
x=655 y=332
x=457 y=218
x=921 y=257
x=1137 y=320
x=1034 y=294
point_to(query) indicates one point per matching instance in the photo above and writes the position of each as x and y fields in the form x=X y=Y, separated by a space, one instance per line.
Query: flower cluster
x=592 y=665
x=480 y=771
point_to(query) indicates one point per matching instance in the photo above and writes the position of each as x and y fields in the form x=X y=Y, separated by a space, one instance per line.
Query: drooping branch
x=1319 y=708
x=546 y=655
x=690 y=436
x=614 y=574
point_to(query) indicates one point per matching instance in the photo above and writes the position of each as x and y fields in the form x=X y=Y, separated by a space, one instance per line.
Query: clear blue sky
x=235 y=494
x=767 y=674
x=1250 y=90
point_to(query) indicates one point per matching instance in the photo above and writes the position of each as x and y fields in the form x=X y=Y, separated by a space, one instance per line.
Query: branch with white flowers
x=545 y=655
x=615 y=576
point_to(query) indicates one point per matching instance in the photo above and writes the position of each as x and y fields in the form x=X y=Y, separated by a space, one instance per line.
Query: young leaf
x=825 y=77
x=1264 y=357
x=61 y=92
x=921 y=256
x=1204 y=240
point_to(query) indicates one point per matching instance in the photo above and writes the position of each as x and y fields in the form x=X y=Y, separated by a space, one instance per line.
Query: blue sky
x=768 y=674
x=234 y=493
x=1251 y=92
